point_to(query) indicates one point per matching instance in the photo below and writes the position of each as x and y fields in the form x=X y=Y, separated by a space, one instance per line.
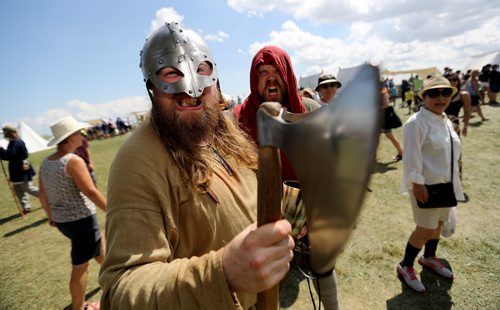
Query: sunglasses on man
x=436 y=92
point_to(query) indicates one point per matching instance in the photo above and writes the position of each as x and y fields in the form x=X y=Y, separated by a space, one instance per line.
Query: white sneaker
x=434 y=264
x=408 y=274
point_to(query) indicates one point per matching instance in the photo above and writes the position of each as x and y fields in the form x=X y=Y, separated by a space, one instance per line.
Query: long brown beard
x=182 y=139
x=184 y=135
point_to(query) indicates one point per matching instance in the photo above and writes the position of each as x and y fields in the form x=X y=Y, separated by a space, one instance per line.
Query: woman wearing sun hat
x=427 y=138
x=68 y=196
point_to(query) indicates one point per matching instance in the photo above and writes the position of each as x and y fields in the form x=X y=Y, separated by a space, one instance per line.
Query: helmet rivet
x=161 y=61
x=149 y=73
x=177 y=41
x=185 y=41
x=165 y=86
x=190 y=91
x=213 y=79
x=200 y=90
x=205 y=56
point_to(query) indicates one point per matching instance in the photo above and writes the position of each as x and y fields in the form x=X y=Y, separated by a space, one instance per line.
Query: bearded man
x=182 y=195
x=272 y=79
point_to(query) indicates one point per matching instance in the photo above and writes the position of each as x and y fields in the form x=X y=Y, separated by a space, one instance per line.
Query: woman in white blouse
x=427 y=137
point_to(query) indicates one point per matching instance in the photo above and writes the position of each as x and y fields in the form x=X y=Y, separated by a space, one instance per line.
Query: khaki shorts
x=428 y=218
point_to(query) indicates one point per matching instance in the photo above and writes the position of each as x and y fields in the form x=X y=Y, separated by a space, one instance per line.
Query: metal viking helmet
x=174 y=46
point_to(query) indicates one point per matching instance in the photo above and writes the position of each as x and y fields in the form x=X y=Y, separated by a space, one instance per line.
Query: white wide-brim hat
x=327 y=79
x=63 y=128
x=436 y=81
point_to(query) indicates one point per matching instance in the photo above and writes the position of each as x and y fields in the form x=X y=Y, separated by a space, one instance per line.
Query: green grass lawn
x=35 y=260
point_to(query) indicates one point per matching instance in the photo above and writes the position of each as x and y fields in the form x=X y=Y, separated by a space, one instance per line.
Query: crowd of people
x=181 y=204
x=108 y=129
x=482 y=85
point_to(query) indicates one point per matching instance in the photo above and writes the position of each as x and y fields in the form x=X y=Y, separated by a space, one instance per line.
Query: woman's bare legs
x=394 y=142
x=78 y=285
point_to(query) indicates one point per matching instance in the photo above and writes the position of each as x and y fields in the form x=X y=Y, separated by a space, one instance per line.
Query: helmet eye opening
x=169 y=75
x=205 y=68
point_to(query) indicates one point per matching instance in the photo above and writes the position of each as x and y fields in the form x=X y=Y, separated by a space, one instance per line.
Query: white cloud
x=253 y=7
x=220 y=36
x=85 y=111
x=164 y=15
x=360 y=31
x=399 y=33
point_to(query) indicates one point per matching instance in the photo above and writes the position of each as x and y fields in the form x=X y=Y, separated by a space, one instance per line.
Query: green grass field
x=35 y=260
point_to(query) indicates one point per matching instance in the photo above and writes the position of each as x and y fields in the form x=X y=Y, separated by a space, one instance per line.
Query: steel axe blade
x=332 y=150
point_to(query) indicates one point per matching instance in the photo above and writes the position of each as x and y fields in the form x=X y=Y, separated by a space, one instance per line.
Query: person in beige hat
x=69 y=197
x=307 y=93
x=21 y=171
x=432 y=151
x=327 y=88
x=308 y=99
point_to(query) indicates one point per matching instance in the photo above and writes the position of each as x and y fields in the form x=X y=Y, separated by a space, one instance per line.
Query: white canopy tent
x=422 y=72
x=478 y=61
x=309 y=81
x=34 y=142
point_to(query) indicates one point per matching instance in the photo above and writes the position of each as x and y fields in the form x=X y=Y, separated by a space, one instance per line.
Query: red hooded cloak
x=246 y=113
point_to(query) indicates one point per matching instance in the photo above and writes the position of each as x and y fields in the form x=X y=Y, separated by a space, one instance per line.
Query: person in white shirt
x=428 y=160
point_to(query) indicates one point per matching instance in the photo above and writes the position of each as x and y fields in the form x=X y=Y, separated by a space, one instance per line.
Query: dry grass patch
x=35 y=262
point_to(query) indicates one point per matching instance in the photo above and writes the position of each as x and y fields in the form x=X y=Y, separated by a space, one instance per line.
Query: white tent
x=422 y=72
x=309 y=81
x=345 y=75
x=478 y=61
x=34 y=142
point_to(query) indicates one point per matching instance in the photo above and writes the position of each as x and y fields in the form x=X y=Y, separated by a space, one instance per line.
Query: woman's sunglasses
x=434 y=93
x=453 y=79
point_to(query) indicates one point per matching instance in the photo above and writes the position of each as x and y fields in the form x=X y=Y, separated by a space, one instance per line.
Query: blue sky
x=81 y=58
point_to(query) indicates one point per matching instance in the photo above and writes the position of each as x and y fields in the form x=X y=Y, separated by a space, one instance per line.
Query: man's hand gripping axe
x=332 y=151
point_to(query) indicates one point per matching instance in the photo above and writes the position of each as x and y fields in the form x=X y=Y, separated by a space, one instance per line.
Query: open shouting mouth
x=189 y=103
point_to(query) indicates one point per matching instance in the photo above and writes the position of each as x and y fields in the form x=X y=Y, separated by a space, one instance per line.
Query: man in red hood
x=272 y=79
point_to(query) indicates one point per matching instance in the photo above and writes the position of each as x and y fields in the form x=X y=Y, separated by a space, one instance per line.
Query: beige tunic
x=163 y=241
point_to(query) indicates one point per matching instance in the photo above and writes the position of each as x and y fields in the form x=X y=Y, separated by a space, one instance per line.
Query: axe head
x=332 y=150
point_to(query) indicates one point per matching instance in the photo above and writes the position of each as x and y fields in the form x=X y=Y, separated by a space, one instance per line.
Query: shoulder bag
x=441 y=195
x=391 y=119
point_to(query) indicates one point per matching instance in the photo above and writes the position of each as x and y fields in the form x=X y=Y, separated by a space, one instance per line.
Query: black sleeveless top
x=455 y=105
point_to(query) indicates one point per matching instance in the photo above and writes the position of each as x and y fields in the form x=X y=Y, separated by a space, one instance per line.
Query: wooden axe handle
x=269 y=191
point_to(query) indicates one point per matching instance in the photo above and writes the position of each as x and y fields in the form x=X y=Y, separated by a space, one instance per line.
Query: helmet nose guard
x=182 y=49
